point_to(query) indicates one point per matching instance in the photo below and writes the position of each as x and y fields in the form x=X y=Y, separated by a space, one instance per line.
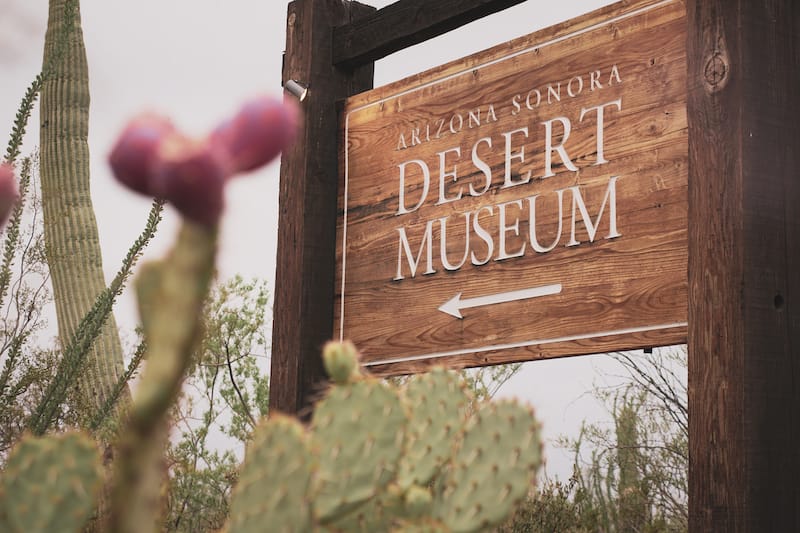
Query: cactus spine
x=71 y=236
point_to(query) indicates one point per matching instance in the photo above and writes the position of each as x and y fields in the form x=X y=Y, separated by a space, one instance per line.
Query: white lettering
x=550 y=147
x=609 y=198
x=481 y=165
x=600 y=125
x=510 y=156
x=505 y=229
x=426 y=175
x=413 y=263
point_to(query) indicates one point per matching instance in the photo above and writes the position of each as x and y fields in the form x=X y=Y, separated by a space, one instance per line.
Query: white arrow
x=454 y=305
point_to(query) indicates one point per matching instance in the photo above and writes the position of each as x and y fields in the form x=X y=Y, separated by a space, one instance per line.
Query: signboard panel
x=525 y=202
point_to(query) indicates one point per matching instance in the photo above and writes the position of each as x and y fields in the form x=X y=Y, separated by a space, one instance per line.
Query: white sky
x=196 y=60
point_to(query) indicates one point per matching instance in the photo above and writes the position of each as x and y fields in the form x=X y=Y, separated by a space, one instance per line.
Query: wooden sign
x=529 y=201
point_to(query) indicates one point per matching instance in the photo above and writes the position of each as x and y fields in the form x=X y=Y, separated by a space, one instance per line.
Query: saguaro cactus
x=71 y=235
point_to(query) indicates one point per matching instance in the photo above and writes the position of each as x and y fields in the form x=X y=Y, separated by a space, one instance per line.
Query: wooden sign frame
x=575 y=249
x=743 y=239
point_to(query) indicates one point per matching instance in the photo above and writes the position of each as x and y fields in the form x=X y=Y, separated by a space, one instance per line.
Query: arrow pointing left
x=454 y=305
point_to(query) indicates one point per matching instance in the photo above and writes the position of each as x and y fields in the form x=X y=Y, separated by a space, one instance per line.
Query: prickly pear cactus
x=274 y=481
x=358 y=432
x=492 y=469
x=50 y=483
x=341 y=362
x=384 y=458
x=439 y=401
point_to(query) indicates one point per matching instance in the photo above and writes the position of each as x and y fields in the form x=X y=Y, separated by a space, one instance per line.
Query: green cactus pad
x=425 y=525
x=341 y=361
x=438 y=402
x=358 y=432
x=493 y=469
x=380 y=513
x=50 y=483
x=273 y=484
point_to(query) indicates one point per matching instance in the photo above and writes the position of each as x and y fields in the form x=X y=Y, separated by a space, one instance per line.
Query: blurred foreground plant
x=374 y=457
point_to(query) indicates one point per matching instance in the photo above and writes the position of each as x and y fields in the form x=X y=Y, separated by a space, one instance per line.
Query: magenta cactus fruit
x=153 y=158
x=190 y=176
x=256 y=134
x=134 y=155
x=9 y=192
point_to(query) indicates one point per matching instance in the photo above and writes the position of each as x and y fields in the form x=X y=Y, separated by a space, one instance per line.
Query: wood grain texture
x=307 y=202
x=744 y=255
x=609 y=286
x=406 y=23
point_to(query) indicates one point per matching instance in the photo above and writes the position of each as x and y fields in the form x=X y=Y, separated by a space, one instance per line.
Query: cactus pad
x=50 y=483
x=358 y=432
x=341 y=361
x=274 y=480
x=439 y=401
x=493 y=469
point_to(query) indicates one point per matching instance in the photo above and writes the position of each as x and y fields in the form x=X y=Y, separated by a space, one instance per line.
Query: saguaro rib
x=71 y=235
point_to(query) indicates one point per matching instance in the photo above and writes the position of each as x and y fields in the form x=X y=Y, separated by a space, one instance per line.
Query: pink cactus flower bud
x=256 y=134
x=9 y=192
x=133 y=157
x=190 y=176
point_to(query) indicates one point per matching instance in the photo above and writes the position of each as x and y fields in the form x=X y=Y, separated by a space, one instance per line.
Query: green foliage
x=631 y=476
x=35 y=378
x=224 y=390
x=234 y=343
x=88 y=330
x=27 y=367
x=50 y=483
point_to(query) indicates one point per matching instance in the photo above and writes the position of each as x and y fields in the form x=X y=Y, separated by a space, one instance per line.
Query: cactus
x=440 y=404
x=279 y=451
x=71 y=235
x=491 y=471
x=358 y=431
x=392 y=459
x=375 y=457
x=171 y=295
x=151 y=157
x=50 y=483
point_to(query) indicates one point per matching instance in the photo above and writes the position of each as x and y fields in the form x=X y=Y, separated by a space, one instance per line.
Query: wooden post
x=303 y=310
x=744 y=265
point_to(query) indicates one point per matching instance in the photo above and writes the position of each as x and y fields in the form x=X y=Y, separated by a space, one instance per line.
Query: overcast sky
x=196 y=60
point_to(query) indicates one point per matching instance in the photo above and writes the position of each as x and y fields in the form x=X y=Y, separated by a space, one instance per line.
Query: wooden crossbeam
x=403 y=24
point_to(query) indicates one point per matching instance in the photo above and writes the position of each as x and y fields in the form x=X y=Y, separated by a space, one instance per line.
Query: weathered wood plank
x=406 y=23
x=303 y=309
x=599 y=345
x=631 y=53
x=744 y=256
